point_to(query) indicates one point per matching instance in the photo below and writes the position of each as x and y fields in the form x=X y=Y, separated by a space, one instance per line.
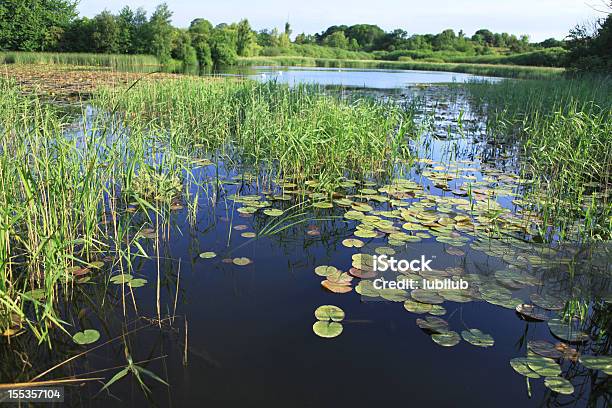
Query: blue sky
x=540 y=19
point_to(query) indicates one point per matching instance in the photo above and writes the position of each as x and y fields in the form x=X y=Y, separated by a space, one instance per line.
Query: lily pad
x=86 y=337
x=546 y=367
x=273 y=212
x=547 y=302
x=208 y=255
x=531 y=312
x=353 y=243
x=336 y=287
x=242 y=261
x=544 y=349
x=433 y=324
x=559 y=384
x=603 y=363
x=477 y=338
x=426 y=296
x=329 y=312
x=248 y=235
x=325 y=270
x=137 y=283
x=122 y=278
x=417 y=307
x=566 y=331
x=519 y=364
x=327 y=330
x=447 y=338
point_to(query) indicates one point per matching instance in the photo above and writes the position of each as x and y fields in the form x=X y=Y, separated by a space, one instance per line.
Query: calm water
x=353 y=77
x=249 y=340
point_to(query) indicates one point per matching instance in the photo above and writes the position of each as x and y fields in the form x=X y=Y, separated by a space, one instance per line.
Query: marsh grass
x=565 y=133
x=298 y=132
x=75 y=191
x=118 y=61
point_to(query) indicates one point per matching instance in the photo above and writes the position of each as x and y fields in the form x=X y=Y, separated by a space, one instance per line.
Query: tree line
x=54 y=25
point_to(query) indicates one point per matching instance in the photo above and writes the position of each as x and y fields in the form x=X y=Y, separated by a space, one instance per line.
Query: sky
x=540 y=19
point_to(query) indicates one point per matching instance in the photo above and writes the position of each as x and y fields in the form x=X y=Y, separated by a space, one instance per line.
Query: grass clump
x=118 y=61
x=297 y=132
x=564 y=130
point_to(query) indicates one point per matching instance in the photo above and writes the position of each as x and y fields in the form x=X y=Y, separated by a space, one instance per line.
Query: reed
x=117 y=61
x=564 y=131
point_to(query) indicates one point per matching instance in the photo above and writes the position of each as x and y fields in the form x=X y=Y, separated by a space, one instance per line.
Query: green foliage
x=27 y=25
x=336 y=40
x=160 y=32
x=564 y=127
x=591 y=50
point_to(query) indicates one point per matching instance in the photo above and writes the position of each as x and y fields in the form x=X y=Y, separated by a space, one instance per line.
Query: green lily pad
x=326 y=270
x=531 y=312
x=86 y=337
x=327 y=329
x=559 y=384
x=323 y=204
x=426 y=296
x=519 y=364
x=447 y=338
x=248 y=235
x=547 y=301
x=566 y=331
x=546 y=367
x=363 y=233
x=384 y=250
x=544 y=348
x=353 y=243
x=477 y=338
x=121 y=279
x=273 y=212
x=417 y=307
x=137 y=283
x=329 y=312
x=242 y=261
x=433 y=324
x=603 y=363
x=208 y=255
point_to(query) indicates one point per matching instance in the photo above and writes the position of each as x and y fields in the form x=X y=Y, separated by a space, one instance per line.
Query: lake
x=240 y=333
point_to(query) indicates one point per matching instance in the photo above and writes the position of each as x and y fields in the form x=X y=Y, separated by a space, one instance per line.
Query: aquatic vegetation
x=301 y=132
x=563 y=128
x=328 y=321
x=78 y=59
x=87 y=336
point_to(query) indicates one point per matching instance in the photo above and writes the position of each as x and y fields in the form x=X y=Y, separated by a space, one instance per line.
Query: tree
x=125 y=23
x=337 y=40
x=182 y=49
x=27 y=25
x=223 y=45
x=591 y=46
x=484 y=36
x=367 y=35
x=140 y=33
x=200 y=31
x=445 y=40
x=245 y=38
x=160 y=33
x=105 y=33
